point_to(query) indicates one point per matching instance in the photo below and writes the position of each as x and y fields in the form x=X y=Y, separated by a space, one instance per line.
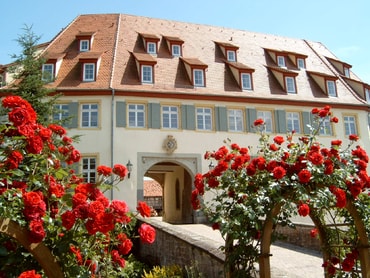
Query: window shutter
x=221 y=118
x=73 y=113
x=76 y=167
x=307 y=120
x=188 y=117
x=120 y=114
x=154 y=115
x=251 y=117
x=280 y=121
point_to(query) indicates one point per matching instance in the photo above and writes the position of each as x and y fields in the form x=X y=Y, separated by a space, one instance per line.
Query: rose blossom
x=279 y=139
x=144 y=209
x=29 y=274
x=68 y=219
x=304 y=176
x=336 y=142
x=353 y=137
x=258 y=122
x=303 y=210
x=37 y=232
x=314 y=233
x=278 y=172
x=104 y=170
x=120 y=170
x=147 y=233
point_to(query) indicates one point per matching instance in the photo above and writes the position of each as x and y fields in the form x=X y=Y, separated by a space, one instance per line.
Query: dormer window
x=198 y=77
x=326 y=82
x=331 y=88
x=286 y=79
x=281 y=61
x=51 y=67
x=176 y=50
x=246 y=81
x=150 y=43
x=367 y=95
x=229 y=51
x=145 y=64
x=90 y=62
x=47 y=72
x=231 y=56
x=342 y=67
x=196 y=71
x=174 y=45
x=85 y=41
x=290 y=85
x=346 y=72
x=242 y=75
x=301 y=63
x=151 y=48
x=147 y=74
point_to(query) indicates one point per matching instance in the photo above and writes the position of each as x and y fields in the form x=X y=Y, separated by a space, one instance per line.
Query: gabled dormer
x=85 y=41
x=151 y=42
x=195 y=70
x=174 y=45
x=90 y=62
x=286 y=78
x=342 y=67
x=229 y=50
x=326 y=82
x=145 y=66
x=51 y=66
x=242 y=75
x=362 y=89
x=281 y=57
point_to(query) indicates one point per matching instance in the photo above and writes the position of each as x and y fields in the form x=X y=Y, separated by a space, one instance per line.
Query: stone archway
x=176 y=175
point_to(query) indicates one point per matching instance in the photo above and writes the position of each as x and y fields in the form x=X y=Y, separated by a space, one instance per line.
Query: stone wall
x=174 y=245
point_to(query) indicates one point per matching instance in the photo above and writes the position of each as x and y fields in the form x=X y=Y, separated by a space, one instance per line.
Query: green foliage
x=173 y=271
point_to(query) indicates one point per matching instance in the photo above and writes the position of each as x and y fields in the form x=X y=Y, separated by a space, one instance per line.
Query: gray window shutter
x=154 y=115
x=121 y=114
x=73 y=113
x=251 y=117
x=280 y=121
x=188 y=117
x=221 y=118
x=307 y=120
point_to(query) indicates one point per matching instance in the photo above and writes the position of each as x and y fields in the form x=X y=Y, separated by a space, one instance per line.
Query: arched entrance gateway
x=176 y=176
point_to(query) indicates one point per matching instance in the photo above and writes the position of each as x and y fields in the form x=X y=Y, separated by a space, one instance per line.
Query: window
x=266 y=116
x=61 y=112
x=89 y=169
x=1 y=81
x=198 y=76
x=176 y=50
x=293 y=122
x=367 y=95
x=147 y=74
x=235 y=117
x=246 y=81
x=332 y=92
x=47 y=72
x=326 y=127
x=170 y=117
x=151 y=47
x=89 y=72
x=231 y=57
x=281 y=61
x=346 y=72
x=136 y=115
x=84 y=45
x=89 y=115
x=204 y=118
x=350 y=125
x=290 y=84
x=301 y=63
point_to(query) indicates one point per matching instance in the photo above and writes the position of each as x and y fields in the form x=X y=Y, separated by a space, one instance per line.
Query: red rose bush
x=300 y=176
x=88 y=234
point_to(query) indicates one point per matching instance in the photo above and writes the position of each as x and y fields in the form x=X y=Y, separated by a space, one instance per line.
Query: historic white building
x=160 y=93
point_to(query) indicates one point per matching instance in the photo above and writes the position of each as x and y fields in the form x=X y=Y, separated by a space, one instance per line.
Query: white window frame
x=231 y=55
x=147 y=74
x=89 y=72
x=89 y=115
x=151 y=47
x=266 y=116
x=62 y=112
x=88 y=170
x=204 y=118
x=170 y=117
x=350 y=125
x=293 y=121
x=198 y=77
x=136 y=115
x=176 y=50
x=301 y=63
x=84 y=45
x=47 y=72
x=290 y=85
x=235 y=120
x=331 y=88
x=346 y=72
x=246 y=79
x=367 y=94
x=280 y=60
x=326 y=127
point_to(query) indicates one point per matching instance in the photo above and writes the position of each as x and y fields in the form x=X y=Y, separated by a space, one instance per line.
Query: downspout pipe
x=112 y=139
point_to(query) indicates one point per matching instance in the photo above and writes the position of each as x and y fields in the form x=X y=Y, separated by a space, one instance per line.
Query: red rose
x=304 y=176
x=315 y=110
x=303 y=210
x=147 y=233
x=117 y=258
x=334 y=120
x=29 y=274
x=119 y=208
x=79 y=199
x=278 y=172
x=34 y=205
x=144 y=209
x=215 y=226
x=273 y=147
x=120 y=170
x=20 y=116
x=68 y=220
x=213 y=183
x=323 y=113
x=353 y=137
x=56 y=190
x=258 y=122
x=95 y=208
x=37 y=232
x=13 y=160
x=57 y=129
x=336 y=142
x=73 y=156
x=125 y=245
x=104 y=170
x=314 y=233
x=279 y=139
x=34 y=144
x=348 y=264
x=316 y=158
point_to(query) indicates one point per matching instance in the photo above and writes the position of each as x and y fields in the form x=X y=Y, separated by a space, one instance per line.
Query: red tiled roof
x=152 y=189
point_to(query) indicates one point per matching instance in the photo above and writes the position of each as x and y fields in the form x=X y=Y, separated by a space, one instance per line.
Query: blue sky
x=342 y=26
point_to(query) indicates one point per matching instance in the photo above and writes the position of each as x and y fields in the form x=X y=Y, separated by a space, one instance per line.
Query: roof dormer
x=229 y=50
x=342 y=67
x=90 y=63
x=174 y=45
x=326 y=82
x=196 y=71
x=242 y=75
x=286 y=79
x=280 y=57
x=51 y=66
x=362 y=89
x=150 y=43
x=145 y=66
x=85 y=41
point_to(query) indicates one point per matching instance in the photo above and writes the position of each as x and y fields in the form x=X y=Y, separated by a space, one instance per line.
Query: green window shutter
x=76 y=168
x=251 y=117
x=73 y=113
x=154 y=115
x=221 y=118
x=188 y=117
x=121 y=114
x=280 y=121
x=307 y=120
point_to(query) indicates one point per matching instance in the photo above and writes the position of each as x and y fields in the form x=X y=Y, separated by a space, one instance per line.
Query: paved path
x=287 y=261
